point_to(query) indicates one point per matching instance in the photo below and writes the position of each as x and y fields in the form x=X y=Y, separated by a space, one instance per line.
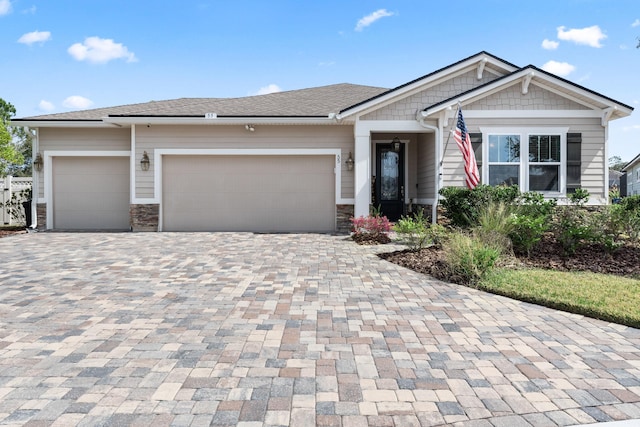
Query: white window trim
x=524 y=133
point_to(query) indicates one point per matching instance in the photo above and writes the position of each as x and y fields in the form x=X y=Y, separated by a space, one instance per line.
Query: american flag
x=463 y=140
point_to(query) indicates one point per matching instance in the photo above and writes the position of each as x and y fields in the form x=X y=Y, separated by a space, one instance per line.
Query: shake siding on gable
x=406 y=108
x=236 y=137
x=82 y=139
x=536 y=98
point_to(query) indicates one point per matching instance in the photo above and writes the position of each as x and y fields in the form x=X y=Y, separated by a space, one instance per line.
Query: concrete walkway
x=198 y=329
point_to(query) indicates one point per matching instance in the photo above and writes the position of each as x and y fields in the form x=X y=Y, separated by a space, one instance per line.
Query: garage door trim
x=158 y=153
x=48 y=172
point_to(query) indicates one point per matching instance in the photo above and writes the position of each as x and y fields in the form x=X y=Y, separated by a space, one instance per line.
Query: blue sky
x=60 y=55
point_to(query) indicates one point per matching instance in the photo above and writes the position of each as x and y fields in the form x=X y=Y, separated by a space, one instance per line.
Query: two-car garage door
x=248 y=193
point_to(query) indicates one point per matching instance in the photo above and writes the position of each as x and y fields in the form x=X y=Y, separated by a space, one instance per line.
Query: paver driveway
x=255 y=330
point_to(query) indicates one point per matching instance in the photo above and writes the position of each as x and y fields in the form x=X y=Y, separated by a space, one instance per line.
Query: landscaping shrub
x=462 y=206
x=606 y=227
x=531 y=218
x=495 y=226
x=417 y=232
x=627 y=216
x=371 y=229
x=468 y=258
x=572 y=226
x=412 y=230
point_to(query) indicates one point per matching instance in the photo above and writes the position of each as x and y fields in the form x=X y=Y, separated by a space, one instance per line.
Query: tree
x=15 y=144
x=616 y=163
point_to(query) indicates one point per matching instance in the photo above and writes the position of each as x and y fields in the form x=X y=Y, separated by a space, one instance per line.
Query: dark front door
x=389 y=195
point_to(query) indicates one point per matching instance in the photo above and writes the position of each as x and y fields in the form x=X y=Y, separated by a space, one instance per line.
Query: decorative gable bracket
x=606 y=115
x=526 y=80
x=480 y=69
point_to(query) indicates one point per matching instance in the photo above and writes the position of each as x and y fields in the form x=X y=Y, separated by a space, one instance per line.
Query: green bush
x=469 y=259
x=531 y=218
x=495 y=226
x=606 y=227
x=412 y=230
x=627 y=216
x=417 y=232
x=462 y=206
x=572 y=226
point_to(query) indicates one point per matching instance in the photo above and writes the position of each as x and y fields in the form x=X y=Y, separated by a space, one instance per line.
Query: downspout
x=434 y=208
x=35 y=181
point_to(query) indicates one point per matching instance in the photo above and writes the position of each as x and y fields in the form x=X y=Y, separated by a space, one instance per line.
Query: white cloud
x=35 y=37
x=31 y=10
x=370 y=19
x=590 y=36
x=5 y=7
x=550 y=44
x=272 y=88
x=100 y=51
x=46 y=106
x=77 y=102
x=559 y=68
x=636 y=23
x=327 y=64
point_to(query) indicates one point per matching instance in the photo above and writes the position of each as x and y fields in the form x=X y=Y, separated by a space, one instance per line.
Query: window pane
x=504 y=175
x=543 y=178
x=389 y=176
x=504 y=148
x=544 y=148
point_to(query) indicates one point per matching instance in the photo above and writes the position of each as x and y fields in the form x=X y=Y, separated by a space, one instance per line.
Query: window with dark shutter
x=574 y=161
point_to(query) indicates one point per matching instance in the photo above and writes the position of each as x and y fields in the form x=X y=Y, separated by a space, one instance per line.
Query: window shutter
x=476 y=144
x=574 y=161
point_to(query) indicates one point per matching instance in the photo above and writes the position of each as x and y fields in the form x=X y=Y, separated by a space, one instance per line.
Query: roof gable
x=481 y=63
x=538 y=77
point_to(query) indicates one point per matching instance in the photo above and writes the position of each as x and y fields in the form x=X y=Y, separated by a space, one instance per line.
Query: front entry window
x=389 y=176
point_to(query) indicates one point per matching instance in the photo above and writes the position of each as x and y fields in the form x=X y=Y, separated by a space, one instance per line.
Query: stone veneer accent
x=144 y=217
x=41 y=216
x=343 y=218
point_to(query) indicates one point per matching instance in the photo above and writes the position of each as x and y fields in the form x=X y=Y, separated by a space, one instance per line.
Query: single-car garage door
x=248 y=193
x=91 y=193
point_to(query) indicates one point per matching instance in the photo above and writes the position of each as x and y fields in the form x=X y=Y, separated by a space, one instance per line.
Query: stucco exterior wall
x=237 y=137
x=406 y=108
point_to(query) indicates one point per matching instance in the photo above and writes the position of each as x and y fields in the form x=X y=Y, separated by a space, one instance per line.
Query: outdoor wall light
x=395 y=144
x=38 y=162
x=349 y=162
x=250 y=128
x=144 y=162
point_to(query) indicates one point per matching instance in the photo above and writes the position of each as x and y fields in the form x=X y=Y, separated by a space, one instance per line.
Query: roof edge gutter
x=217 y=120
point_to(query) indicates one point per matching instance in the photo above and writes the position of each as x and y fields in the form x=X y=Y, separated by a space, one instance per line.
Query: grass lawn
x=606 y=297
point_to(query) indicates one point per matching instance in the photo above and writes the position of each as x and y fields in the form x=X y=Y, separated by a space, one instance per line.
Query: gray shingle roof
x=313 y=102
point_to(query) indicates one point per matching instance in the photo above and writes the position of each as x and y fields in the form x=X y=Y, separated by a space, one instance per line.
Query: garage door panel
x=249 y=193
x=91 y=193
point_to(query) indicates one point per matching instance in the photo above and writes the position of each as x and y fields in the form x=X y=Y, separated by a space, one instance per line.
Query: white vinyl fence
x=13 y=191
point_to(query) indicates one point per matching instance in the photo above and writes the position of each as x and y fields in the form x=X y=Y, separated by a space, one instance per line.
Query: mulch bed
x=10 y=231
x=624 y=261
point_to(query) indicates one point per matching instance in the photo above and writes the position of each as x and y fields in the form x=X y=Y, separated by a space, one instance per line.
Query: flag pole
x=444 y=152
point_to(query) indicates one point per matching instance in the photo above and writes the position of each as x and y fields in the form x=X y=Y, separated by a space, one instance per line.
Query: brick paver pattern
x=199 y=329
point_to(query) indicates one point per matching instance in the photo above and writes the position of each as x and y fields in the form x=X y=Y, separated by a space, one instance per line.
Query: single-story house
x=632 y=170
x=308 y=160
